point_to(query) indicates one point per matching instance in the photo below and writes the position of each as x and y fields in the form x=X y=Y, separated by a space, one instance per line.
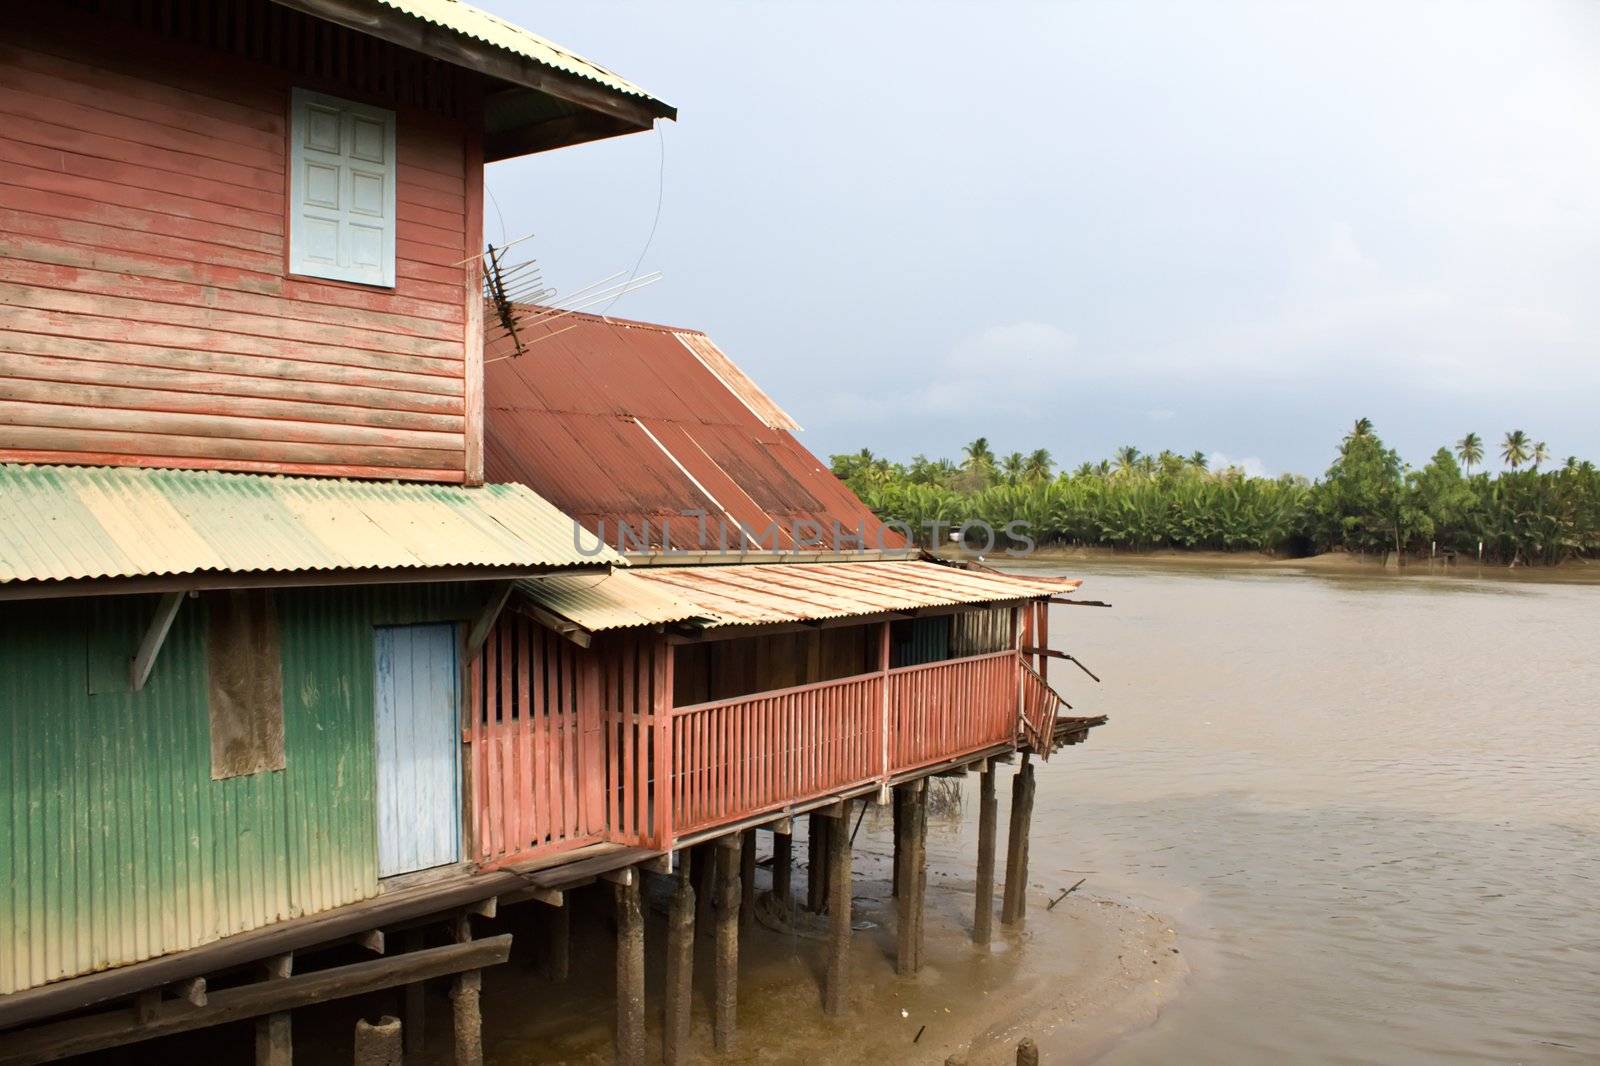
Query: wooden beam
x=78 y=1036
x=275 y=1032
x=192 y=991
x=479 y=631
x=417 y=35
x=550 y=897
x=144 y=660
x=567 y=628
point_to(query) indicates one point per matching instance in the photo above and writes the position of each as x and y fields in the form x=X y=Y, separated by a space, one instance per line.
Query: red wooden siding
x=149 y=318
x=535 y=748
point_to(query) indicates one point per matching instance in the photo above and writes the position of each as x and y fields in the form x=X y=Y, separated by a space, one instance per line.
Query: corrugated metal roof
x=599 y=602
x=765 y=593
x=482 y=26
x=62 y=522
x=620 y=422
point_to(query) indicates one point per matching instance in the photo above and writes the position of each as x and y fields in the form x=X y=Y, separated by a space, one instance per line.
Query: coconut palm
x=1541 y=454
x=1469 y=450
x=1199 y=461
x=1127 y=459
x=1362 y=428
x=1038 y=466
x=1011 y=467
x=1515 y=449
x=979 y=455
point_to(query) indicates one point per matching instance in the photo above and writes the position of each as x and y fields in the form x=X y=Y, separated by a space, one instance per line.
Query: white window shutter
x=341 y=186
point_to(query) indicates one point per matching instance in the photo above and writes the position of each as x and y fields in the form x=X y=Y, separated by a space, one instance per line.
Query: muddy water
x=1370 y=804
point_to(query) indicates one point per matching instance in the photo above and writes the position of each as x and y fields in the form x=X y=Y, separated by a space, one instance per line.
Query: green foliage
x=1367 y=501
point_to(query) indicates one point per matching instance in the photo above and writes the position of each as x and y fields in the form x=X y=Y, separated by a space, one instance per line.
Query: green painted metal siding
x=115 y=843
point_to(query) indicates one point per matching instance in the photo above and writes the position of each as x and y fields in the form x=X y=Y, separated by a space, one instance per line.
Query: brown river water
x=1369 y=804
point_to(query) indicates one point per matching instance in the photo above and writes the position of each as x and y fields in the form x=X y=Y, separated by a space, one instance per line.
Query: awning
x=70 y=523
x=764 y=594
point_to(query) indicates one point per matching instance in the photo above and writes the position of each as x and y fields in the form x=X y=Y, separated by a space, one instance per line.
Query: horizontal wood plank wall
x=148 y=317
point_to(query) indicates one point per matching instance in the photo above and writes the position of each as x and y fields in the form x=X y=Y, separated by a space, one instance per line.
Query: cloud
x=1250 y=464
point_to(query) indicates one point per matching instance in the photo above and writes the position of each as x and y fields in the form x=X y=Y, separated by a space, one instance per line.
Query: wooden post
x=680 y=969
x=465 y=1009
x=1015 y=907
x=415 y=1027
x=817 y=864
x=725 y=1002
x=1027 y=1052
x=899 y=817
x=275 y=1033
x=378 y=1044
x=835 y=993
x=630 y=1049
x=705 y=875
x=783 y=871
x=988 y=810
x=912 y=800
x=747 y=881
x=558 y=942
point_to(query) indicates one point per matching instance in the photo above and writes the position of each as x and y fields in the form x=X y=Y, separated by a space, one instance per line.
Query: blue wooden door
x=419 y=748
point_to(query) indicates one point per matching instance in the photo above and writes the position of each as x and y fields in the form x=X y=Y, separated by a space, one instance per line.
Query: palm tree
x=1199 y=461
x=1362 y=428
x=979 y=455
x=1514 y=449
x=1541 y=454
x=1038 y=466
x=1469 y=450
x=1127 y=459
x=1012 y=465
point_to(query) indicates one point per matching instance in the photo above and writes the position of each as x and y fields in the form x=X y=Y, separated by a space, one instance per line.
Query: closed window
x=341 y=189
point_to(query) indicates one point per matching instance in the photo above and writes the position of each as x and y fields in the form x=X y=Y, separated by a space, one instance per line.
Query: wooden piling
x=725 y=1001
x=465 y=1007
x=379 y=1043
x=558 y=942
x=1027 y=1052
x=783 y=871
x=835 y=993
x=680 y=969
x=1015 y=906
x=817 y=864
x=630 y=1049
x=988 y=810
x=912 y=802
x=275 y=1032
x=416 y=1004
x=747 y=880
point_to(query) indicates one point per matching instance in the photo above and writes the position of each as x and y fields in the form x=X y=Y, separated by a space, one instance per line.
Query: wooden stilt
x=275 y=1032
x=705 y=875
x=747 y=880
x=899 y=829
x=725 y=1002
x=988 y=809
x=817 y=864
x=630 y=1049
x=835 y=992
x=415 y=1025
x=1015 y=906
x=912 y=800
x=558 y=942
x=680 y=970
x=783 y=871
x=378 y=1044
x=465 y=1009
x=1027 y=1052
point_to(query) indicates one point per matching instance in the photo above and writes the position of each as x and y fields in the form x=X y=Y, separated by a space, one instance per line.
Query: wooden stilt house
x=245 y=545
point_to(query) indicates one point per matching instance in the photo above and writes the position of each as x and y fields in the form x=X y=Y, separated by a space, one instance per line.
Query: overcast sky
x=1233 y=227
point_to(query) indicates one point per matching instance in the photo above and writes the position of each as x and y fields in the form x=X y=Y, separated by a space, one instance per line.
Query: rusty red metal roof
x=767 y=593
x=626 y=425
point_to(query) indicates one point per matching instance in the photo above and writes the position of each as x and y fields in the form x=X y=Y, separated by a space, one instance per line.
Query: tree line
x=1368 y=501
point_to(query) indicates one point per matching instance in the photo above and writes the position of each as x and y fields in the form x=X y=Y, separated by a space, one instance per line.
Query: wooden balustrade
x=734 y=758
x=944 y=709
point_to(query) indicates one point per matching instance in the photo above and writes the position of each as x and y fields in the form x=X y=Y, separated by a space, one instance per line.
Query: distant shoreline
x=1580 y=571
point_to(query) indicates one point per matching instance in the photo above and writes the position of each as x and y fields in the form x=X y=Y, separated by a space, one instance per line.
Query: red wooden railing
x=1040 y=705
x=945 y=709
x=734 y=758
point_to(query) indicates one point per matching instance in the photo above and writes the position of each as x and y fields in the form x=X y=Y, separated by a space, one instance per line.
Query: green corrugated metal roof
x=482 y=26
x=61 y=523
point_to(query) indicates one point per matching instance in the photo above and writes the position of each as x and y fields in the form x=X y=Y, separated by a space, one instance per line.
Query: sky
x=1230 y=227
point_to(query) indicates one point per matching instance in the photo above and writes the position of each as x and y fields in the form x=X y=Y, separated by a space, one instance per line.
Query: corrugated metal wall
x=115 y=843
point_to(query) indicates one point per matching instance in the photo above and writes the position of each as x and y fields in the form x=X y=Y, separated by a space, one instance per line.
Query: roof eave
x=634 y=112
